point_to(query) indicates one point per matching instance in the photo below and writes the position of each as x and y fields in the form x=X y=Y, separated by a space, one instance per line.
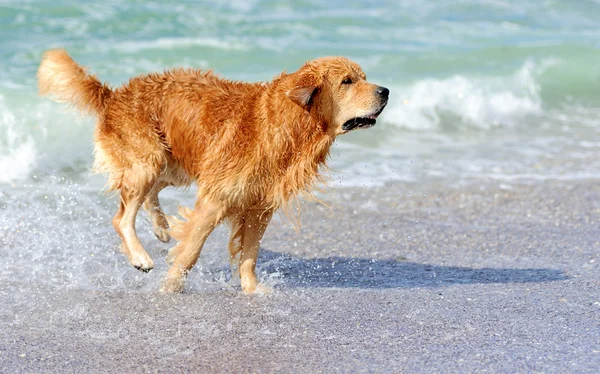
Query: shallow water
x=474 y=279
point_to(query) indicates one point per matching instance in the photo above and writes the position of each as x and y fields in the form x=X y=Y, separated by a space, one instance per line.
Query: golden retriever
x=250 y=147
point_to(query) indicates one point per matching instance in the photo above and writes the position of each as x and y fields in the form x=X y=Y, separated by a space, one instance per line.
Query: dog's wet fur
x=250 y=147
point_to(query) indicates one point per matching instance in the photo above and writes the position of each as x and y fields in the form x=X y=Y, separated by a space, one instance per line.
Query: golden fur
x=250 y=147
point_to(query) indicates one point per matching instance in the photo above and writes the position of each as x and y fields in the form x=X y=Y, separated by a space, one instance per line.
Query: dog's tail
x=65 y=81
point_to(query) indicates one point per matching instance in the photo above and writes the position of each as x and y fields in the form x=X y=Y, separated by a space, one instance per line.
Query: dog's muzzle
x=369 y=120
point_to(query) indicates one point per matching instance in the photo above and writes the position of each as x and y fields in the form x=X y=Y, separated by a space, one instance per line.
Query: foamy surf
x=17 y=148
x=18 y=162
x=166 y=44
x=476 y=102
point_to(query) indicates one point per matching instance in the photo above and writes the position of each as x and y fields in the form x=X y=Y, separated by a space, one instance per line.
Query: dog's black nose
x=383 y=92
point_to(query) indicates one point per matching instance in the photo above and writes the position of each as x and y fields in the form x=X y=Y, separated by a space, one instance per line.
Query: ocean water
x=495 y=91
x=500 y=90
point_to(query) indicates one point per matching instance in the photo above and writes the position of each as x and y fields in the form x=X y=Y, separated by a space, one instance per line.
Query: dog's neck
x=301 y=143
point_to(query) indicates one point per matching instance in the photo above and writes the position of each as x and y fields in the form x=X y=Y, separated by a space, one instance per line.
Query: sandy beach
x=403 y=278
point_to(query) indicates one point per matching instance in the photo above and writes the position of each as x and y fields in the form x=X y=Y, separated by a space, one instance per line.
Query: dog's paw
x=173 y=253
x=253 y=288
x=162 y=234
x=263 y=289
x=142 y=262
x=172 y=285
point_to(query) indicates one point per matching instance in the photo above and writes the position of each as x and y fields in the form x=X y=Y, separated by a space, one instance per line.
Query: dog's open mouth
x=363 y=122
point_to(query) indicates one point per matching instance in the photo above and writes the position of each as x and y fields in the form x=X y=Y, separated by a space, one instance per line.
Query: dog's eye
x=347 y=81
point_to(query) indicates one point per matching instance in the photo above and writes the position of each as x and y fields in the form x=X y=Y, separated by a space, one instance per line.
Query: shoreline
x=490 y=279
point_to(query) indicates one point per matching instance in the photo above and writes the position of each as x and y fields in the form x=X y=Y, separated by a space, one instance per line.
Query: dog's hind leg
x=236 y=240
x=160 y=226
x=247 y=230
x=124 y=223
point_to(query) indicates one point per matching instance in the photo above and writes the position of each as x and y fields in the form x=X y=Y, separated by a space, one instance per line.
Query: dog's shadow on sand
x=347 y=272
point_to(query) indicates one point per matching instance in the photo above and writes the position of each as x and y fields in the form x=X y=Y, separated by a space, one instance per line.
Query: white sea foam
x=17 y=164
x=171 y=43
x=17 y=149
x=38 y=135
x=474 y=102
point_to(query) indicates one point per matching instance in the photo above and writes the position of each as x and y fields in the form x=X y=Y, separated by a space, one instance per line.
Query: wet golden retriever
x=250 y=147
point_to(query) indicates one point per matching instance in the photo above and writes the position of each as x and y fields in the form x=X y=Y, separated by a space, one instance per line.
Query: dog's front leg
x=254 y=225
x=205 y=217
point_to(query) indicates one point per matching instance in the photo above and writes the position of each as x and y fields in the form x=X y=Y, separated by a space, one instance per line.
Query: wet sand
x=395 y=279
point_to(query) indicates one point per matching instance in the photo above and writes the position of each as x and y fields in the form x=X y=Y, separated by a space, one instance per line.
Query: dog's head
x=336 y=90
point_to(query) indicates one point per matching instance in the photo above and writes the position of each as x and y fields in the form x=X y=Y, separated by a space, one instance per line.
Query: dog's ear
x=305 y=88
x=301 y=95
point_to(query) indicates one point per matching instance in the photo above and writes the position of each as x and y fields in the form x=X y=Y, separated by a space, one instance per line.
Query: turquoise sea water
x=481 y=90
